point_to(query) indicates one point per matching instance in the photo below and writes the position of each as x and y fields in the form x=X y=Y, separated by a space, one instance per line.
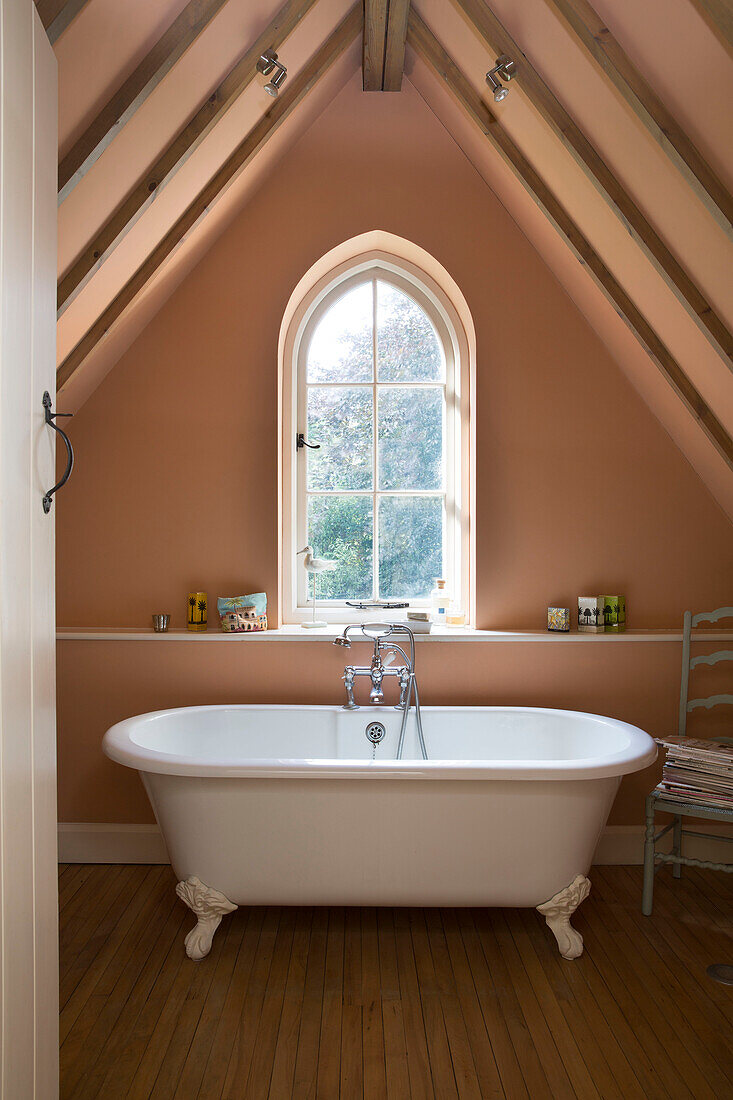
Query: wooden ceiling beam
x=375 y=38
x=177 y=152
x=295 y=90
x=120 y=108
x=718 y=14
x=56 y=15
x=394 y=50
x=590 y=30
x=383 y=58
x=606 y=183
x=421 y=39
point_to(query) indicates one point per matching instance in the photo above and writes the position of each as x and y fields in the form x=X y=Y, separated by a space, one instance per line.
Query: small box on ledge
x=590 y=614
x=614 y=614
x=558 y=618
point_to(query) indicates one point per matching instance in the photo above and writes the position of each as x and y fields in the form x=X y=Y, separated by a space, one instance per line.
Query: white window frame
x=295 y=607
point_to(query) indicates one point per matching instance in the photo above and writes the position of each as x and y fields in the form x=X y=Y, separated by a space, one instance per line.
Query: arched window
x=376 y=384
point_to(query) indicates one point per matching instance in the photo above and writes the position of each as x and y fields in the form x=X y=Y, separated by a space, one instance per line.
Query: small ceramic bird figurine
x=314 y=566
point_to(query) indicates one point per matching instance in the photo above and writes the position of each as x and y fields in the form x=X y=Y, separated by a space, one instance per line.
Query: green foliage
x=410 y=435
x=407 y=348
x=340 y=528
x=410 y=545
x=340 y=419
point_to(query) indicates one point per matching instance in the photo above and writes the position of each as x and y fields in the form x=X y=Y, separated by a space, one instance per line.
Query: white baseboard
x=93 y=842
x=90 y=842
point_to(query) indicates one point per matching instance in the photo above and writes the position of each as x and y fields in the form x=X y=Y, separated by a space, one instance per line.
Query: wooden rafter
x=375 y=37
x=56 y=15
x=294 y=92
x=595 y=36
x=601 y=176
x=134 y=91
x=385 y=30
x=394 y=50
x=421 y=38
x=178 y=151
x=718 y=14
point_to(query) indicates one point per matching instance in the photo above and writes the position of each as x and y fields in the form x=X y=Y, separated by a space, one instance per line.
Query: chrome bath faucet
x=379 y=634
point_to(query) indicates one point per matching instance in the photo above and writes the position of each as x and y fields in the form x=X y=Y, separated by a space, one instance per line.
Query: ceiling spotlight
x=267 y=64
x=504 y=68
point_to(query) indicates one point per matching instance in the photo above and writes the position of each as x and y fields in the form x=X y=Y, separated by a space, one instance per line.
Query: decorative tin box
x=243 y=613
x=558 y=618
x=197 y=616
x=621 y=613
x=610 y=614
x=243 y=619
x=590 y=614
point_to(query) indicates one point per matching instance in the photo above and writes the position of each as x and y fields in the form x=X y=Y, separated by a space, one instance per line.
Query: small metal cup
x=160 y=623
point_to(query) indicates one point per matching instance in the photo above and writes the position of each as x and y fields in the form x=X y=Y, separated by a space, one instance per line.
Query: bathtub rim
x=118 y=745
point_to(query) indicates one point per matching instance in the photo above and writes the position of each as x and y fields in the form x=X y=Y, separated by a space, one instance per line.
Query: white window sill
x=328 y=633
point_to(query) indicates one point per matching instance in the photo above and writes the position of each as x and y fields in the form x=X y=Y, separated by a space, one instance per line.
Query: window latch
x=301 y=441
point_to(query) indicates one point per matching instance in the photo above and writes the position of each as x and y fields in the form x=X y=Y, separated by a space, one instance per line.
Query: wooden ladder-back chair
x=657 y=801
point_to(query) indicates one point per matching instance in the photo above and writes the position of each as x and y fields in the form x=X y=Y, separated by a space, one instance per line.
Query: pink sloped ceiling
x=667 y=40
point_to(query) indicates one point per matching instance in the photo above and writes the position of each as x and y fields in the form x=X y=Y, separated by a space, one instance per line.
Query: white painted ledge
x=327 y=634
x=91 y=842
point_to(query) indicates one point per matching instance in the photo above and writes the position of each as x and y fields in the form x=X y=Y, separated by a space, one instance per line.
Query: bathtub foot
x=558 y=911
x=209 y=906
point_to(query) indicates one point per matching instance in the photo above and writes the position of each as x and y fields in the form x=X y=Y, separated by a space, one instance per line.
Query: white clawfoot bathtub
x=292 y=805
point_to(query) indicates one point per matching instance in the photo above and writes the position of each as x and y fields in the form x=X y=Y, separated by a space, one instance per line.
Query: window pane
x=340 y=528
x=340 y=419
x=410 y=437
x=408 y=349
x=410 y=545
x=341 y=347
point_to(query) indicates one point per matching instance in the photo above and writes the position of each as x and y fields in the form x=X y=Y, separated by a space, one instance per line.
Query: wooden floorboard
x=395 y=1004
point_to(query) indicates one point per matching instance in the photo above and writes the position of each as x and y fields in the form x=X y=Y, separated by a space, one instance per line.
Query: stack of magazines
x=697 y=771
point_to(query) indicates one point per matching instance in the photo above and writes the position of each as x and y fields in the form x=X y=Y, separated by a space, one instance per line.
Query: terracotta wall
x=102 y=682
x=578 y=487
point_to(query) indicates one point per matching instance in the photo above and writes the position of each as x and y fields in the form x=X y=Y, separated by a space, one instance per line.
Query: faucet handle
x=349 y=677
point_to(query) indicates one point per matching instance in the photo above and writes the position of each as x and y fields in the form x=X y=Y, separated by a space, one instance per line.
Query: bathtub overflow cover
x=375 y=731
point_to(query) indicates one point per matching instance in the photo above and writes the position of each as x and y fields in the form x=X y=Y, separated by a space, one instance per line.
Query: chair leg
x=647 y=894
x=677 y=846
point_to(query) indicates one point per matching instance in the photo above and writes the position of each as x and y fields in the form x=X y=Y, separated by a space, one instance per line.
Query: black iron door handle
x=50 y=417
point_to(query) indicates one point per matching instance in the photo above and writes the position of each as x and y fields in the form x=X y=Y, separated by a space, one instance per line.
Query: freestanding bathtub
x=293 y=805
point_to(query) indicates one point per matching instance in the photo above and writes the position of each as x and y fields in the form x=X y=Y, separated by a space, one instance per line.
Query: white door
x=28 y=896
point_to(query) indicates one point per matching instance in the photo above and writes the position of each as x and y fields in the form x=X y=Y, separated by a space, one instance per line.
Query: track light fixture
x=268 y=63
x=504 y=68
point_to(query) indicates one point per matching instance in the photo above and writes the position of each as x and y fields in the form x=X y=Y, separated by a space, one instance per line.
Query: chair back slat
x=688 y=663
x=712 y=616
x=710 y=701
x=712 y=658
x=685 y=679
